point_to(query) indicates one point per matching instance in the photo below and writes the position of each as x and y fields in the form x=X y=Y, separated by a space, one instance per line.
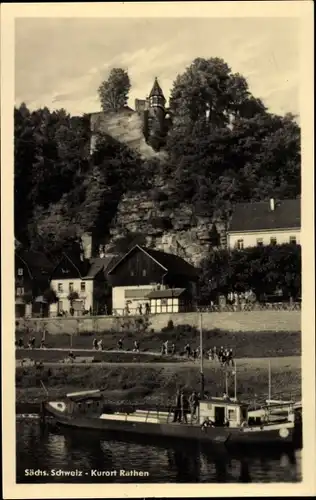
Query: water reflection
x=85 y=451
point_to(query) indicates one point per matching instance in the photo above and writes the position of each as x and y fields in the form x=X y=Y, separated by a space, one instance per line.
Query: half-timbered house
x=144 y=270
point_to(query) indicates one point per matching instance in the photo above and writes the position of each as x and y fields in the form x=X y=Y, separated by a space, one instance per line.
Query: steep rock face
x=125 y=126
x=178 y=231
x=175 y=230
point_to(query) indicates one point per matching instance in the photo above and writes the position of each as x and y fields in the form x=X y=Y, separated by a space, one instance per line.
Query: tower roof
x=156 y=90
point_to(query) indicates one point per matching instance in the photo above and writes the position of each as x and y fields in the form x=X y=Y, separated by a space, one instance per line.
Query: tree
x=50 y=296
x=209 y=90
x=262 y=269
x=113 y=92
x=28 y=297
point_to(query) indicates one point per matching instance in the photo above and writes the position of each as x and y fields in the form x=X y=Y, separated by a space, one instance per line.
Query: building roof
x=167 y=293
x=167 y=261
x=259 y=216
x=98 y=264
x=37 y=262
x=156 y=90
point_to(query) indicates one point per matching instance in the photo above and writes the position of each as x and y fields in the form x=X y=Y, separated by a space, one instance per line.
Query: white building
x=265 y=223
x=78 y=284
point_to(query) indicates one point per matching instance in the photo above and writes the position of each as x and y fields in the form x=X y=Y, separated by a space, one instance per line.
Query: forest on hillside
x=224 y=147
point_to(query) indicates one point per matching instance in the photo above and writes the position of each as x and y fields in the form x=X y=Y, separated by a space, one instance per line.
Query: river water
x=55 y=453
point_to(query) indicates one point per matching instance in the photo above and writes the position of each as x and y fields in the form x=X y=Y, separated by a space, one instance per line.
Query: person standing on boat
x=184 y=407
x=194 y=403
x=177 y=410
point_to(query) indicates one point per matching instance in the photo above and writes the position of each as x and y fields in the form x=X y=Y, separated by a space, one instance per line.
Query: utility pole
x=201 y=358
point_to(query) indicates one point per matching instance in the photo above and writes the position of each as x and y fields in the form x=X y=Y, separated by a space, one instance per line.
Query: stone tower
x=155 y=123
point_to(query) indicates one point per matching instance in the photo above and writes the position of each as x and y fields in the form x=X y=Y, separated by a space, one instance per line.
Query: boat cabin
x=77 y=403
x=222 y=412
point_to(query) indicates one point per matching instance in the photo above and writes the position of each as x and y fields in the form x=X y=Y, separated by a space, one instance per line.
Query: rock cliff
x=175 y=230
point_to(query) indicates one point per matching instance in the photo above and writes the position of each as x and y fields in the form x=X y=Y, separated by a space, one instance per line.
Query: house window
x=273 y=241
x=20 y=271
x=144 y=272
x=71 y=287
x=259 y=242
x=240 y=244
x=20 y=291
x=293 y=240
x=231 y=414
x=82 y=286
x=60 y=287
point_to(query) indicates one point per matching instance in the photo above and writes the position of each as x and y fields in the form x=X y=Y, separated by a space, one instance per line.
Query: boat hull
x=273 y=436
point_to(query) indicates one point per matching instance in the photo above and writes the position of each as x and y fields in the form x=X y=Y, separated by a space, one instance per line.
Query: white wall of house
x=167 y=305
x=84 y=288
x=136 y=295
x=254 y=238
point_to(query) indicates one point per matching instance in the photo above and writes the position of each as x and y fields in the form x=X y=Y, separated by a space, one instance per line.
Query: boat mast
x=201 y=358
x=269 y=394
x=235 y=379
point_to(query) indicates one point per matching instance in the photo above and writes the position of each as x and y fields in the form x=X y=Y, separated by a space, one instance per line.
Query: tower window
x=259 y=242
x=293 y=240
x=240 y=244
x=273 y=241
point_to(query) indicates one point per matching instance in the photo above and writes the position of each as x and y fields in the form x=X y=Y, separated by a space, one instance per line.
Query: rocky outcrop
x=175 y=230
x=125 y=126
x=179 y=231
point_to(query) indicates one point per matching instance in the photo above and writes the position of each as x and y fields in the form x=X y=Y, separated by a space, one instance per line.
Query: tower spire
x=156 y=97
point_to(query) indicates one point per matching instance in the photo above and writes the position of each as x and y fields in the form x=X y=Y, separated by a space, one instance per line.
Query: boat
x=218 y=421
x=223 y=420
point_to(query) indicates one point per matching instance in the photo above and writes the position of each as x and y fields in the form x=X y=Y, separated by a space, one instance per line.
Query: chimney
x=272 y=204
x=86 y=240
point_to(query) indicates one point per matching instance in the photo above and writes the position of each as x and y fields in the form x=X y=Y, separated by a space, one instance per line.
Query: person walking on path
x=95 y=344
x=173 y=350
x=120 y=344
x=136 y=346
x=100 y=345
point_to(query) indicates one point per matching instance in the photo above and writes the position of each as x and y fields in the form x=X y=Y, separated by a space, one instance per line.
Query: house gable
x=67 y=269
x=136 y=268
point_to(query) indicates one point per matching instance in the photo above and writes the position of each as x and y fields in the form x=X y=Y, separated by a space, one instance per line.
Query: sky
x=60 y=62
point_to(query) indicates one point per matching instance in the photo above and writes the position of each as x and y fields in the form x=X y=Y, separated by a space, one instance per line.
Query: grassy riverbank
x=152 y=383
x=244 y=344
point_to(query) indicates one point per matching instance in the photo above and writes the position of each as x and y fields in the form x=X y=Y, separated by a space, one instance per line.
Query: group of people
x=141 y=309
x=165 y=348
x=97 y=344
x=31 y=344
x=185 y=405
x=224 y=355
